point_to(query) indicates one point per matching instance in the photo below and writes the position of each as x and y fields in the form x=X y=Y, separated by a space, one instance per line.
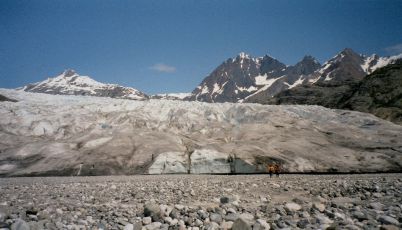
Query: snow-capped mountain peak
x=69 y=73
x=244 y=77
x=70 y=82
x=243 y=55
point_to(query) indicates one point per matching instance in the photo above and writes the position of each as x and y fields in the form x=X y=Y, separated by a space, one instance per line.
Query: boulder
x=152 y=210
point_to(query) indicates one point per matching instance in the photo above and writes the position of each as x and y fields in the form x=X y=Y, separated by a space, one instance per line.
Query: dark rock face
x=4 y=98
x=70 y=83
x=329 y=95
x=380 y=93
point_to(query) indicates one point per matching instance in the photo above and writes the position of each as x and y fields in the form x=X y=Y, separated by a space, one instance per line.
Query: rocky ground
x=366 y=201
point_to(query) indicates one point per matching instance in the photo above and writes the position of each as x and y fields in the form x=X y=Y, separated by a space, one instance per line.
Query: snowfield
x=45 y=134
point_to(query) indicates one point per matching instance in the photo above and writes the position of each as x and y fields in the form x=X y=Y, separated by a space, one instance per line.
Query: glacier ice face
x=169 y=163
x=45 y=134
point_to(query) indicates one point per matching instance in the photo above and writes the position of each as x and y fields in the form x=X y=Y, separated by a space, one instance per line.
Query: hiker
x=277 y=169
x=271 y=170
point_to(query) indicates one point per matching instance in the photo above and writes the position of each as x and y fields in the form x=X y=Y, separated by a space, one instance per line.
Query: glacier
x=70 y=135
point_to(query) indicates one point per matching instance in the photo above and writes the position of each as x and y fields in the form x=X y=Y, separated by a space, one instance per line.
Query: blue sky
x=170 y=46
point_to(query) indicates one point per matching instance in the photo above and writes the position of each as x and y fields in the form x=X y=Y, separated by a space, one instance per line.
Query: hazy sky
x=170 y=46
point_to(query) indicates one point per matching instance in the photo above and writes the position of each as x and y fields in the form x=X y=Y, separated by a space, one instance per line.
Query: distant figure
x=271 y=169
x=277 y=169
x=274 y=169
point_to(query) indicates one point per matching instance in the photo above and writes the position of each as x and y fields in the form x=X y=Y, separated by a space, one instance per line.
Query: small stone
x=231 y=217
x=165 y=210
x=389 y=227
x=217 y=218
x=247 y=217
x=198 y=222
x=4 y=226
x=153 y=226
x=292 y=207
x=179 y=207
x=388 y=220
x=152 y=210
x=319 y=206
x=100 y=226
x=377 y=195
x=174 y=222
x=2 y=216
x=323 y=219
x=129 y=227
x=224 y=200
x=202 y=214
x=226 y=225
x=339 y=216
x=20 y=225
x=212 y=226
x=146 y=220
x=241 y=224
x=303 y=223
x=33 y=217
x=263 y=224
x=82 y=222
x=305 y=214
x=31 y=212
x=376 y=206
x=359 y=215
x=263 y=199
x=275 y=185
x=90 y=219
x=231 y=210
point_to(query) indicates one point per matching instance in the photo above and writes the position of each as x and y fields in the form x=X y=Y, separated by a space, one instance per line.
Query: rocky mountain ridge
x=245 y=78
x=378 y=93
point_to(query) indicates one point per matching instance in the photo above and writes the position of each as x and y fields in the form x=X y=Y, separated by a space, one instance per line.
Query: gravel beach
x=360 y=201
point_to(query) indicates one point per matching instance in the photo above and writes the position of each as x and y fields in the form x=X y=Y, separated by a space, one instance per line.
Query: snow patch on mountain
x=380 y=62
x=296 y=83
x=268 y=84
x=262 y=80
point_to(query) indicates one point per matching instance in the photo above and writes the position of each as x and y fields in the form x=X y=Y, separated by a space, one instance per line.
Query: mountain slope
x=337 y=74
x=70 y=83
x=238 y=78
x=379 y=93
x=74 y=135
x=247 y=79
